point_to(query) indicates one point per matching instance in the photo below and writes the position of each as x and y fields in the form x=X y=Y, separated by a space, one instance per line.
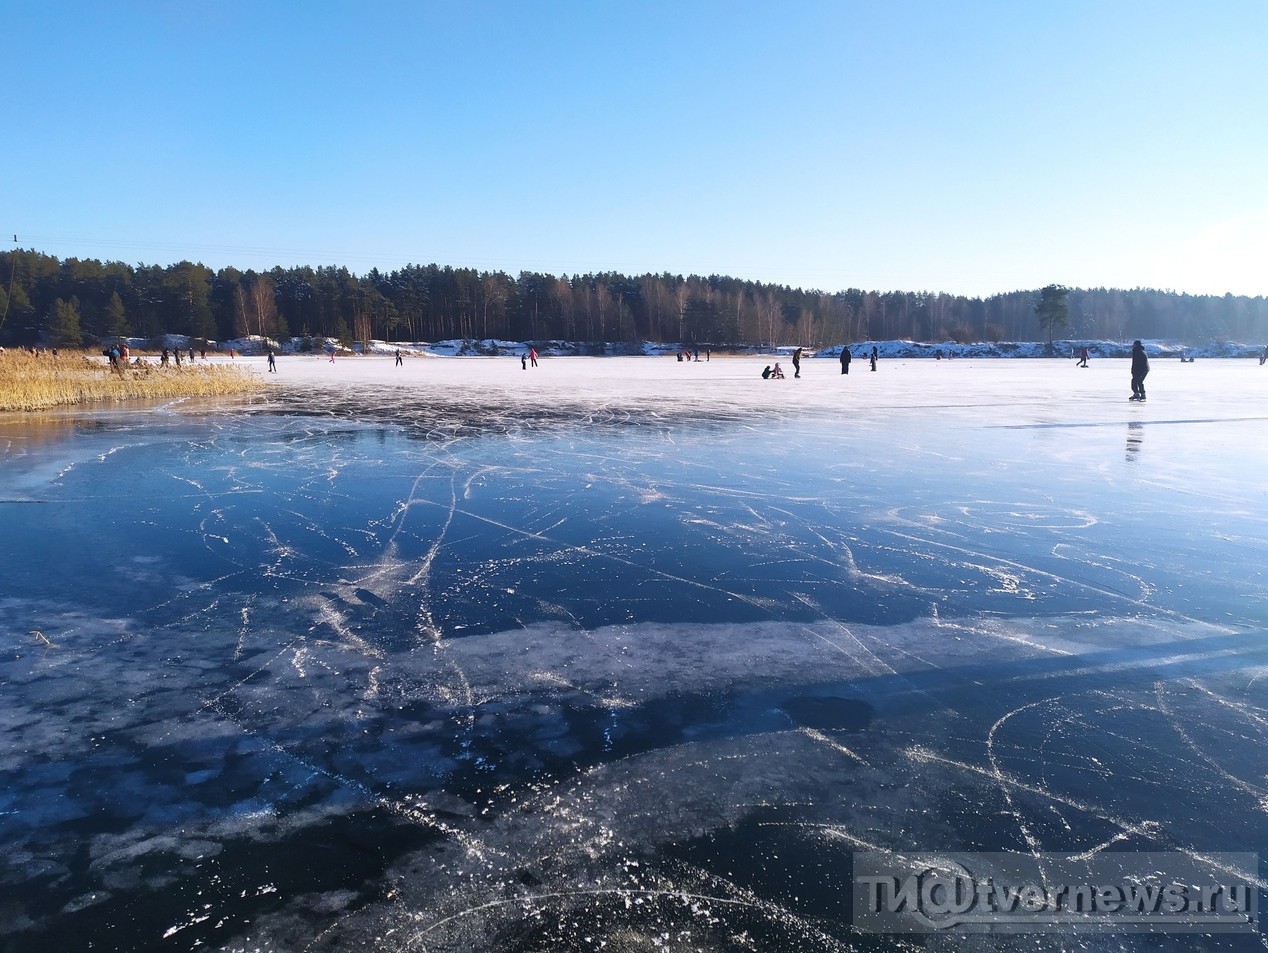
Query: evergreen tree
x=64 y=323
x=1052 y=310
x=342 y=334
x=116 y=316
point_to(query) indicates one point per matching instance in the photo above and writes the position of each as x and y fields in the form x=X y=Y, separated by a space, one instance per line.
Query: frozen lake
x=620 y=653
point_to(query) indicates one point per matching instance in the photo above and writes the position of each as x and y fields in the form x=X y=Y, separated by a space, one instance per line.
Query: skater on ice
x=1140 y=367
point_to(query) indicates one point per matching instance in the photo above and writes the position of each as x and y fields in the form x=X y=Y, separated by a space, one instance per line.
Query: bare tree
x=264 y=305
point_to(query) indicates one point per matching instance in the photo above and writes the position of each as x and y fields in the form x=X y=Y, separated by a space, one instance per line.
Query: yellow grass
x=36 y=382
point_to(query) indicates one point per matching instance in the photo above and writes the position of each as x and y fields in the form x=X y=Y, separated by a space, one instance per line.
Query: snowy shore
x=466 y=347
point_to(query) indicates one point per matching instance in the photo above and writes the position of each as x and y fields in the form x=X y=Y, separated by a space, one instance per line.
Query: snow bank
x=493 y=347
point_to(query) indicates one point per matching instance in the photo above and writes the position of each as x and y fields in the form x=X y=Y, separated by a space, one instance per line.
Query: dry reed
x=36 y=382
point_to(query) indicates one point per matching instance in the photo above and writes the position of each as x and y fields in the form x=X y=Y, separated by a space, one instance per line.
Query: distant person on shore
x=273 y=362
x=797 y=363
x=1083 y=355
x=845 y=360
x=163 y=358
x=177 y=352
x=191 y=355
x=1140 y=367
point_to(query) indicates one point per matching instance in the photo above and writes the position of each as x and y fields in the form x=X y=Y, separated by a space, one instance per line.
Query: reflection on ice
x=621 y=659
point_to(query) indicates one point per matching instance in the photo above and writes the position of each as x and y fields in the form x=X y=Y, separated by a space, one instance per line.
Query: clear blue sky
x=940 y=145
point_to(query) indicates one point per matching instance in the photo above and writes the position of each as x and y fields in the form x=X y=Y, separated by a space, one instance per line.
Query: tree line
x=72 y=301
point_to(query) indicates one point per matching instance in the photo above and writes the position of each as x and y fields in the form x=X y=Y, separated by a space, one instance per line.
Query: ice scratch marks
x=1009 y=582
x=1253 y=738
x=872 y=663
x=818 y=736
x=1258 y=716
x=1080 y=560
x=243 y=629
x=1004 y=633
x=834 y=831
x=529 y=906
x=1031 y=841
x=1149 y=829
x=921 y=754
x=1010 y=784
x=281 y=552
x=988 y=539
x=328 y=614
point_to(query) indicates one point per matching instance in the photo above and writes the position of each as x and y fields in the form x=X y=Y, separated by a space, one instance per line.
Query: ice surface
x=618 y=653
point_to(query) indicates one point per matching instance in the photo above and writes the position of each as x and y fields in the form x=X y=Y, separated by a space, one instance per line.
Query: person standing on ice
x=797 y=363
x=1082 y=358
x=532 y=356
x=845 y=360
x=873 y=357
x=1140 y=367
x=272 y=361
x=399 y=362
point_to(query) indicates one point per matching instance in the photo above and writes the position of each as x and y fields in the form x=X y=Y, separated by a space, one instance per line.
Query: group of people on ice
x=1139 y=366
x=777 y=372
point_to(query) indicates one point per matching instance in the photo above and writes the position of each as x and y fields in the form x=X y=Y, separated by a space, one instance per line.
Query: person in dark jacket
x=845 y=360
x=1140 y=367
x=797 y=363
